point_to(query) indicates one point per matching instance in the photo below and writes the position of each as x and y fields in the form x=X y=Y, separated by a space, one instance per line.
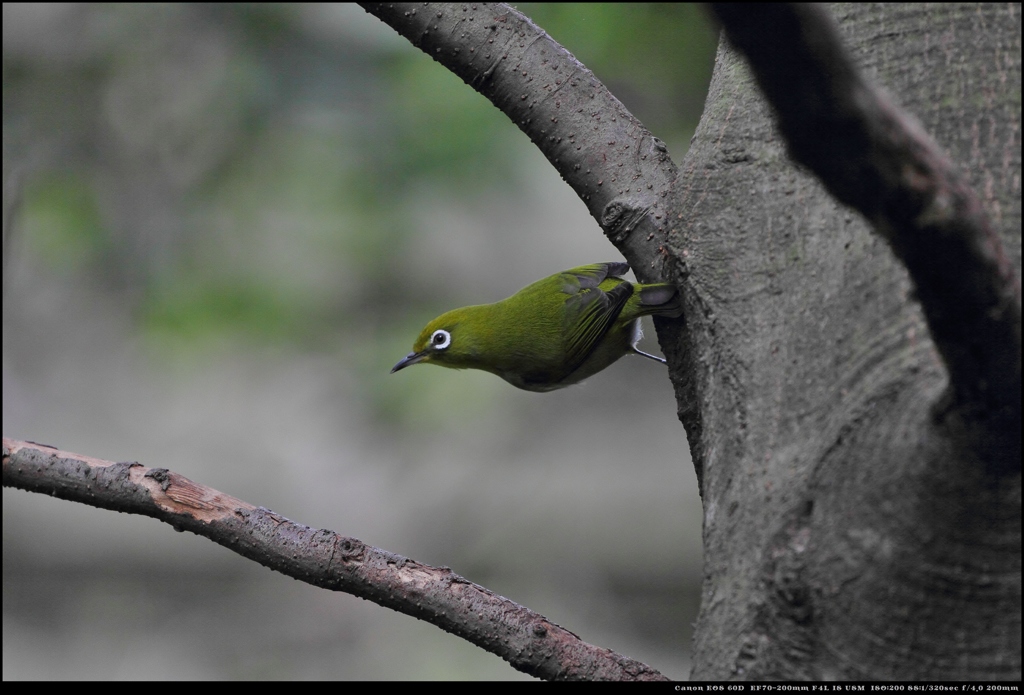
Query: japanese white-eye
x=551 y=334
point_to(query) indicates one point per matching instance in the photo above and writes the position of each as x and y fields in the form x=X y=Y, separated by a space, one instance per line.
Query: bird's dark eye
x=440 y=339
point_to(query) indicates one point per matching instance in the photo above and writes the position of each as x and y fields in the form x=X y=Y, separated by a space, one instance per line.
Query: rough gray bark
x=853 y=529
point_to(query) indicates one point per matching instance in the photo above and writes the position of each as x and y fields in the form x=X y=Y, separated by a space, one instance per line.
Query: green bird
x=551 y=334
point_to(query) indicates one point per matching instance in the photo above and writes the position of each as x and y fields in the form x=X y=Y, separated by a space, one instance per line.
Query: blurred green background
x=229 y=222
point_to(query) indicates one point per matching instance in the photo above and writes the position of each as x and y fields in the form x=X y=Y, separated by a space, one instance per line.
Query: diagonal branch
x=528 y=641
x=876 y=158
x=618 y=169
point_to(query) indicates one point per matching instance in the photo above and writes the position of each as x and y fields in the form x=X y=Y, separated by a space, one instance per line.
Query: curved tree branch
x=876 y=158
x=618 y=169
x=528 y=641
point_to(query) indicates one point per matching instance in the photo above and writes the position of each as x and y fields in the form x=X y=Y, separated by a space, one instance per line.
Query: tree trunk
x=851 y=530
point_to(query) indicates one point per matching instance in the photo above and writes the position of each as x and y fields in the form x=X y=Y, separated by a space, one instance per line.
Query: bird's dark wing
x=589 y=310
x=588 y=277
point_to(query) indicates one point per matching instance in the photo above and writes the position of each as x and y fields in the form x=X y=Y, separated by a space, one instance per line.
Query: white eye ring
x=440 y=339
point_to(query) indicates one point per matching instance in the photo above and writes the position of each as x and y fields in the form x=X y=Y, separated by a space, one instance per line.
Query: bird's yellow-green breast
x=551 y=334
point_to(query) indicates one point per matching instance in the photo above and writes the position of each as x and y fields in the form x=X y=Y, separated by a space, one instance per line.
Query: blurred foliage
x=252 y=172
x=443 y=130
x=67 y=227
x=655 y=57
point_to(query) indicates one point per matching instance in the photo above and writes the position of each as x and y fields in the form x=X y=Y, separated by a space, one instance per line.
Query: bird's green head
x=450 y=340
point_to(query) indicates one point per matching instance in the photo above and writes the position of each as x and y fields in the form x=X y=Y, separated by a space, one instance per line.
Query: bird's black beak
x=409 y=360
